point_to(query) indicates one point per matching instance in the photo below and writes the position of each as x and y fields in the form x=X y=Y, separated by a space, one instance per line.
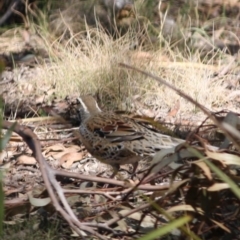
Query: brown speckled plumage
x=117 y=140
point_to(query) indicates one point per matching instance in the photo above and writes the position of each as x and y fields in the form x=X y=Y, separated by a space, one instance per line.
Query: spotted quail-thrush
x=117 y=140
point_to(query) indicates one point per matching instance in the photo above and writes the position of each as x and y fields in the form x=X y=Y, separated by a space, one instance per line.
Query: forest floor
x=43 y=75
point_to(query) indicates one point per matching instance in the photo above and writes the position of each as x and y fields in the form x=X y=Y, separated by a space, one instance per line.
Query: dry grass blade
x=201 y=164
x=221 y=225
x=218 y=187
x=185 y=208
x=224 y=158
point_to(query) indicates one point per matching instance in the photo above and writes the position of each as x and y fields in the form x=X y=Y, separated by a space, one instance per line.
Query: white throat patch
x=84 y=106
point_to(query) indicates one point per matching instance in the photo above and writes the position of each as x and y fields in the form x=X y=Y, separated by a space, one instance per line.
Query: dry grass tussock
x=90 y=65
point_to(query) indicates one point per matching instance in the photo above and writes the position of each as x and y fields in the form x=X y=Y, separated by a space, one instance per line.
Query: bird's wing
x=114 y=128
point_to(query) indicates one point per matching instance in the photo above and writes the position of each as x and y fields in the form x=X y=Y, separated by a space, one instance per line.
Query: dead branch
x=8 y=13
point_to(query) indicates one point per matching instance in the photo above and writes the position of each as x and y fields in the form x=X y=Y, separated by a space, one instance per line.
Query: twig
x=6 y=81
x=8 y=13
x=129 y=187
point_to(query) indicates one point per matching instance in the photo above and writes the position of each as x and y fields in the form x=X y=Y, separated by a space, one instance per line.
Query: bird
x=116 y=139
x=119 y=14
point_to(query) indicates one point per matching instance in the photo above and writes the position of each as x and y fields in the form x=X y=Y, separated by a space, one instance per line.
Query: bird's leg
x=116 y=168
x=135 y=165
x=115 y=171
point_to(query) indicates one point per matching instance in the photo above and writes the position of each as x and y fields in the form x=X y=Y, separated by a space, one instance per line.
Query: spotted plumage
x=116 y=139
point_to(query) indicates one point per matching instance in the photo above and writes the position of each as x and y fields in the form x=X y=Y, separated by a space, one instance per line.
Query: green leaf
x=4 y=140
x=171 y=219
x=167 y=228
